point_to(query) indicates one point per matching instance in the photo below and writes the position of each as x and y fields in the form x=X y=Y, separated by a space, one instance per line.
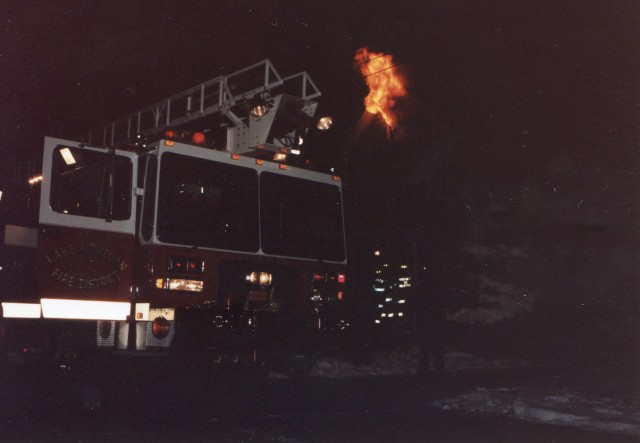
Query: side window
x=90 y=183
x=149 y=199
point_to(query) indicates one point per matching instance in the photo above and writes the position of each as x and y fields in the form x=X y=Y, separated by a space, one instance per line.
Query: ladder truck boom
x=258 y=87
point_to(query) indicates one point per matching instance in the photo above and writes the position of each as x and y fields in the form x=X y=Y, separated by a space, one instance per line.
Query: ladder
x=215 y=96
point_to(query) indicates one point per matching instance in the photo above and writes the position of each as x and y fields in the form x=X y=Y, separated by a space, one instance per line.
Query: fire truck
x=192 y=224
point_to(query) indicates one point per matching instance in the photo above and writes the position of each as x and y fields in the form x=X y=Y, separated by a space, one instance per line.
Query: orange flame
x=385 y=85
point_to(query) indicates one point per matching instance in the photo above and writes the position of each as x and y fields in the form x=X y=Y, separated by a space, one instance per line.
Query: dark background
x=513 y=173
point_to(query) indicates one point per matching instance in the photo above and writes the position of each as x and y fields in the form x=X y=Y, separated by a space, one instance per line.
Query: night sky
x=520 y=129
x=518 y=88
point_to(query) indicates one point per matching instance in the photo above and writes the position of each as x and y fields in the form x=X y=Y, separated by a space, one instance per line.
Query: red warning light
x=170 y=133
x=197 y=137
x=177 y=264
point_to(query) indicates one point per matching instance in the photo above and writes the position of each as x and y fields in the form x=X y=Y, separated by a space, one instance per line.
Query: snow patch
x=576 y=409
x=502 y=301
x=460 y=361
x=542 y=404
x=399 y=361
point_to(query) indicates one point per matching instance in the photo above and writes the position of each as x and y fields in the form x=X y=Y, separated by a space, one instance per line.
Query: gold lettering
x=91 y=249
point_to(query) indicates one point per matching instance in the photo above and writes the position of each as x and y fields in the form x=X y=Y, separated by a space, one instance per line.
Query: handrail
x=210 y=97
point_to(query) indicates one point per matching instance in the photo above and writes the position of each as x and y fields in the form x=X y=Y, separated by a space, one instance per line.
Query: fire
x=385 y=85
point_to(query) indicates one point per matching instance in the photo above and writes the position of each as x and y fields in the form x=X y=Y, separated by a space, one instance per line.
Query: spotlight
x=260 y=106
x=325 y=123
x=259 y=110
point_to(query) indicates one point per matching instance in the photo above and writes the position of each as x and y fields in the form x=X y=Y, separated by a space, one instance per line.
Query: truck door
x=86 y=236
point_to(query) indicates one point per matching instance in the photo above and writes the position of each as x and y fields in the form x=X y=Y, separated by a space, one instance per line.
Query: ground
x=379 y=399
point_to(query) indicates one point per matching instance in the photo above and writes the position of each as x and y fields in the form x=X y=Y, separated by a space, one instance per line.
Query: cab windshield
x=207 y=204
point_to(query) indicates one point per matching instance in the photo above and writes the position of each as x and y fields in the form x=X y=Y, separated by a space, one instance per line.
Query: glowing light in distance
x=405 y=282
